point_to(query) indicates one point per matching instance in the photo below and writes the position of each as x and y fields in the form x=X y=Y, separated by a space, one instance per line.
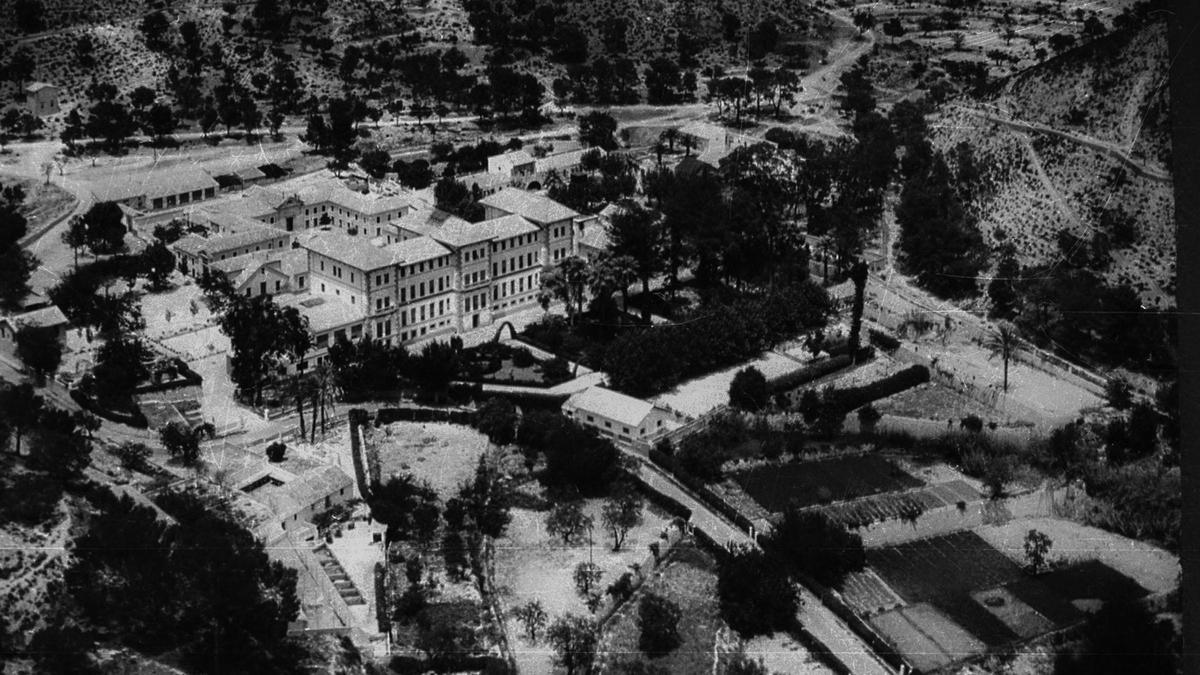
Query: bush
x=748 y=390
x=658 y=618
x=522 y=357
x=972 y=423
x=883 y=340
x=794 y=379
x=276 y=451
x=556 y=370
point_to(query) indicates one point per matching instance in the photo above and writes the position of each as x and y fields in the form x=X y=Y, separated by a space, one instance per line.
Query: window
x=608 y=425
x=591 y=419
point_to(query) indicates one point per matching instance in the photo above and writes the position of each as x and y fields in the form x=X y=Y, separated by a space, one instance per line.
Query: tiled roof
x=613 y=405
x=46 y=316
x=563 y=160
x=506 y=227
x=418 y=249
x=353 y=251
x=152 y=183
x=486 y=181
x=456 y=232
x=324 y=311
x=533 y=207
x=214 y=244
x=334 y=192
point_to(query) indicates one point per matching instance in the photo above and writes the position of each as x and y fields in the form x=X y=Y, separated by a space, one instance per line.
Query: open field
x=532 y=565
x=441 y=453
x=690 y=581
x=808 y=483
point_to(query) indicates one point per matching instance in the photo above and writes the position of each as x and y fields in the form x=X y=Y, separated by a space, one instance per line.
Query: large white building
x=389 y=268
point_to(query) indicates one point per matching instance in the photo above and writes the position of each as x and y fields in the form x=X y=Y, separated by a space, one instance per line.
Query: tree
x=16 y=266
x=587 y=580
x=75 y=236
x=30 y=15
x=154 y=27
x=160 y=121
x=658 y=619
x=566 y=519
x=533 y=618
x=748 y=390
x=276 y=452
x=452 y=196
x=893 y=28
x=858 y=274
x=497 y=419
x=574 y=640
x=407 y=506
x=1123 y=637
x=375 y=162
x=1002 y=289
x=181 y=441
x=756 y=597
x=566 y=282
x=22 y=407
x=622 y=511
x=1004 y=342
x=435 y=368
x=118 y=369
x=1119 y=393
x=938 y=241
x=158 y=262
x=105 y=227
x=133 y=455
x=235 y=612
x=810 y=543
x=1037 y=546
x=597 y=129
x=868 y=417
x=40 y=348
x=637 y=233
x=64 y=650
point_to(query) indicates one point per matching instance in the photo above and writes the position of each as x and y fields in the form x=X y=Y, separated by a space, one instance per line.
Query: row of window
x=523 y=261
x=418 y=268
x=516 y=286
x=183 y=198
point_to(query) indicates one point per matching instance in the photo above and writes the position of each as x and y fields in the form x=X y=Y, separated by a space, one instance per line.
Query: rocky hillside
x=1080 y=143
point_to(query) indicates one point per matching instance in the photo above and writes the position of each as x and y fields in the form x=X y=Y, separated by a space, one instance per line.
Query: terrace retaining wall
x=949 y=519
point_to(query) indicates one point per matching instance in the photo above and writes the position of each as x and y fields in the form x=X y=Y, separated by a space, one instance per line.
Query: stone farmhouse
x=41 y=99
x=413 y=274
x=520 y=169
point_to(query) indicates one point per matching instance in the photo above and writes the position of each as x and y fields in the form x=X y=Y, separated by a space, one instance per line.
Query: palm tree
x=322 y=392
x=298 y=388
x=1004 y=342
x=825 y=245
x=669 y=136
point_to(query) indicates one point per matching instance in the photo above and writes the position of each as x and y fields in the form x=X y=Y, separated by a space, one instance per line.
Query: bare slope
x=1074 y=144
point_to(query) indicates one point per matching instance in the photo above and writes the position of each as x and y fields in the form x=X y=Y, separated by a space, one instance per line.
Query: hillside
x=1080 y=143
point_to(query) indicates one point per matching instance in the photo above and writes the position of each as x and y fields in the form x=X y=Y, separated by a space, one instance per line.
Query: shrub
x=868 y=416
x=556 y=370
x=522 y=358
x=884 y=341
x=789 y=381
x=748 y=390
x=658 y=619
x=276 y=451
x=972 y=423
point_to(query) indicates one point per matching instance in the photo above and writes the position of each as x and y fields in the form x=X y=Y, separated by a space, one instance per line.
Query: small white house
x=624 y=419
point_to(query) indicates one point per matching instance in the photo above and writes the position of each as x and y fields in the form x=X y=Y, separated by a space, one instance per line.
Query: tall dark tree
x=16 y=267
x=637 y=233
x=939 y=242
x=858 y=274
x=40 y=348
x=597 y=129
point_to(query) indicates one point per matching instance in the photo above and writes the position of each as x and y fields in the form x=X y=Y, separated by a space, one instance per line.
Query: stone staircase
x=339 y=577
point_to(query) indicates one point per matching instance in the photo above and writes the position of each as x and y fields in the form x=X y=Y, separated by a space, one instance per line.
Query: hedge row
x=698 y=486
x=883 y=340
x=856 y=397
x=789 y=381
x=134 y=419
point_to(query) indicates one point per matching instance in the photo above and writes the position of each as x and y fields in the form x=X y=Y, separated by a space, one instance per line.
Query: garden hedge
x=789 y=381
x=856 y=397
x=134 y=419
